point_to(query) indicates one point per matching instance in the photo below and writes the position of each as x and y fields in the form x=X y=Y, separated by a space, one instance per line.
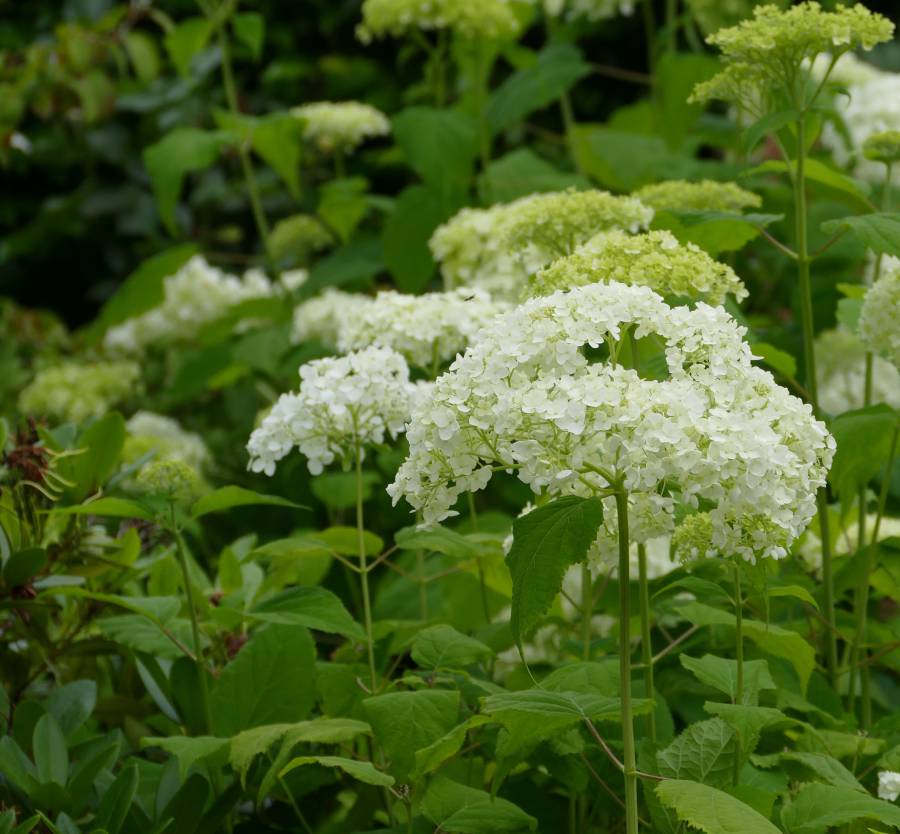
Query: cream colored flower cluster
x=340 y=125
x=705 y=195
x=427 y=330
x=497 y=248
x=592 y=10
x=654 y=259
x=76 y=391
x=343 y=406
x=322 y=317
x=841 y=375
x=165 y=438
x=196 y=295
x=879 y=319
x=527 y=399
x=764 y=54
x=476 y=19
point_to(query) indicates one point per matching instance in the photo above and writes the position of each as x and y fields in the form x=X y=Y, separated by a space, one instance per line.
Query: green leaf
x=143 y=54
x=879 y=231
x=417 y=213
x=778 y=360
x=437 y=539
x=443 y=647
x=228 y=497
x=343 y=204
x=748 y=721
x=863 y=440
x=711 y=811
x=102 y=443
x=817 y=807
x=110 y=507
x=821 y=173
x=345 y=540
x=714 y=231
x=558 y=67
x=178 y=153
x=271 y=681
x=142 y=290
x=794 y=591
x=721 y=674
x=312 y=607
x=337 y=490
x=546 y=542
x=361 y=771
x=441 y=147
x=23 y=565
x=675 y=77
x=250 y=30
x=704 y=752
x=188 y=751
x=360 y=260
x=430 y=758
x=187 y=39
x=72 y=704
x=117 y=800
x=404 y=722
x=771 y=123
x=51 y=756
x=827 y=767
x=522 y=172
x=459 y=809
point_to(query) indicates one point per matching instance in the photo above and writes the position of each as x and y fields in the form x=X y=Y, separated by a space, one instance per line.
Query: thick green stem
x=364 y=571
x=739 y=655
x=629 y=760
x=646 y=645
x=195 y=629
x=587 y=610
x=806 y=312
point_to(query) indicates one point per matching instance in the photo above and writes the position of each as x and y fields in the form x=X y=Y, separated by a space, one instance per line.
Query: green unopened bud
x=172 y=479
x=883 y=147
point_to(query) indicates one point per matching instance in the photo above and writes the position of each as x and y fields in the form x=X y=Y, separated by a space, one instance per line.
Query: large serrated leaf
x=704 y=752
x=711 y=810
x=817 y=807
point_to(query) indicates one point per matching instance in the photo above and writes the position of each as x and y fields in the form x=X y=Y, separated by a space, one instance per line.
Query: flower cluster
x=888 y=785
x=879 y=321
x=526 y=398
x=340 y=126
x=76 y=391
x=883 y=147
x=426 y=329
x=499 y=247
x=196 y=295
x=592 y=10
x=841 y=375
x=322 y=317
x=343 y=406
x=706 y=195
x=165 y=438
x=765 y=53
x=173 y=479
x=654 y=259
x=488 y=19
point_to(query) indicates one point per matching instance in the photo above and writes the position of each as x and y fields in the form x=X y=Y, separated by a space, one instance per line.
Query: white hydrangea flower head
x=474 y=19
x=498 y=248
x=841 y=373
x=343 y=406
x=526 y=398
x=165 y=437
x=340 y=125
x=77 y=391
x=872 y=107
x=652 y=259
x=705 y=195
x=196 y=295
x=322 y=317
x=427 y=330
x=809 y=547
x=879 y=318
x=888 y=785
x=591 y=10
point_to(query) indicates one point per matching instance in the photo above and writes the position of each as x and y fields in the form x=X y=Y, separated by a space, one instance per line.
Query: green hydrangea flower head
x=883 y=147
x=76 y=391
x=692 y=538
x=172 y=479
x=340 y=125
x=706 y=195
x=476 y=19
x=655 y=259
x=766 y=53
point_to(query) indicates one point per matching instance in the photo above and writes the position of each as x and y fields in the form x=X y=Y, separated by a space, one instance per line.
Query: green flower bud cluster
x=883 y=147
x=767 y=52
x=656 y=260
x=706 y=195
x=76 y=391
x=692 y=538
x=173 y=479
x=488 y=19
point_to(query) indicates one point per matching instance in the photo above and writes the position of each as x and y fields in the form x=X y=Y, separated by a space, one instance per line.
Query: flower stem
x=587 y=609
x=482 y=579
x=364 y=571
x=739 y=657
x=629 y=761
x=646 y=645
x=808 y=324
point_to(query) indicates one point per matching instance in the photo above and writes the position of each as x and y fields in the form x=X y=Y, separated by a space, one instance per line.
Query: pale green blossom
x=706 y=195
x=340 y=125
x=490 y=19
x=592 y=10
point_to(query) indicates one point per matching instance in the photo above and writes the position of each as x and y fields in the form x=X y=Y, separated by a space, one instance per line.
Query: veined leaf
x=704 y=752
x=817 y=807
x=361 y=771
x=228 y=497
x=711 y=811
x=459 y=809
